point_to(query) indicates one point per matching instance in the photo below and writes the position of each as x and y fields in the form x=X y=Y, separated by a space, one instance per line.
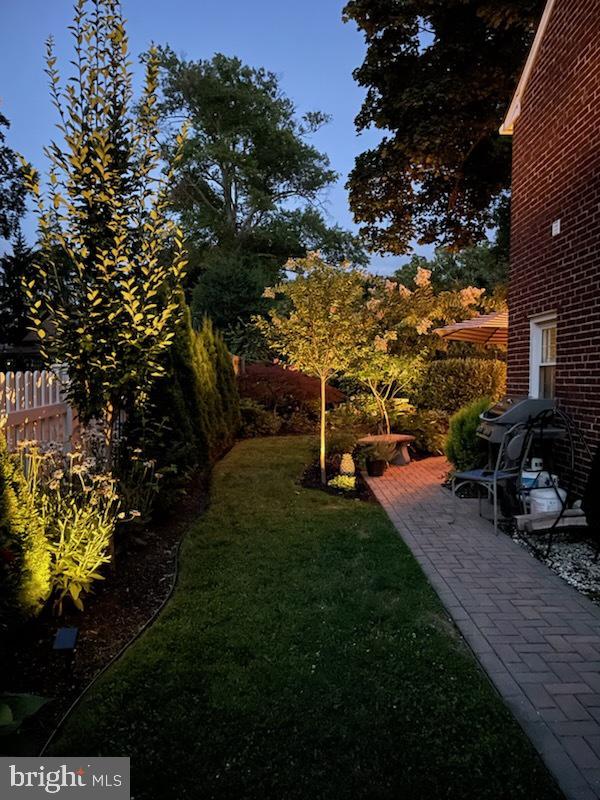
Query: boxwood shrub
x=463 y=447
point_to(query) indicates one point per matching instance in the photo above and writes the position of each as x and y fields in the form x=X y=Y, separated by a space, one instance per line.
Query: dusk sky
x=304 y=43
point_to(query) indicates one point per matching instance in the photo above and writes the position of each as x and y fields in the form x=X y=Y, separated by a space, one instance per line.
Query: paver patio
x=537 y=638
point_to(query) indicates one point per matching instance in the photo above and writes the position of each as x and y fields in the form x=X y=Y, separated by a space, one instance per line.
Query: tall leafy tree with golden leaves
x=104 y=297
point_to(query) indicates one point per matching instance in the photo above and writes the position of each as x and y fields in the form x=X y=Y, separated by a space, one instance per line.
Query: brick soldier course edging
x=537 y=638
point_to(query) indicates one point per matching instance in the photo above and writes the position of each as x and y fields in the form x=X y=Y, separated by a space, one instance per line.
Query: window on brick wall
x=542 y=355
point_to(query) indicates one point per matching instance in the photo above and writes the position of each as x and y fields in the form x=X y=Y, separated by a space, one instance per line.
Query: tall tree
x=482 y=266
x=439 y=75
x=12 y=187
x=391 y=363
x=15 y=268
x=321 y=323
x=112 y=258
x=249 y=184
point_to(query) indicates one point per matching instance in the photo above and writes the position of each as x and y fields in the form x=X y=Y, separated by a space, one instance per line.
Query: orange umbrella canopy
x=486 y=329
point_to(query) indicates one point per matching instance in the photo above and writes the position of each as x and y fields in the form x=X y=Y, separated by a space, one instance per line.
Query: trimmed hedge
x=451 y=383
x=463 y=448
x=24 y=551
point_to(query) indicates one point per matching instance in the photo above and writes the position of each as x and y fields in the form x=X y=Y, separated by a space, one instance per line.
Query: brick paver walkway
x=537 y=638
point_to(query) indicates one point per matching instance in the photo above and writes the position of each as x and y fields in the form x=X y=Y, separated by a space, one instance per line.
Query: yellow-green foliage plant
x=78 y=509
x=25 y=582
x=112 y=258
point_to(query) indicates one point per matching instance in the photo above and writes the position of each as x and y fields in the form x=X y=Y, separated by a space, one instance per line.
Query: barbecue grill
x=509 y=411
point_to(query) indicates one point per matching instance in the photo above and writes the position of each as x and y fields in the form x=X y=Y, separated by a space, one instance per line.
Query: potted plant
x=375 y=457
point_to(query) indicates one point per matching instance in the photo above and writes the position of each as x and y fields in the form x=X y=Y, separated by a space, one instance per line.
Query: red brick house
x=554 y=287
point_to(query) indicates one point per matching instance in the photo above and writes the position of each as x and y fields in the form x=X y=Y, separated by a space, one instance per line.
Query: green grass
x=303 y=655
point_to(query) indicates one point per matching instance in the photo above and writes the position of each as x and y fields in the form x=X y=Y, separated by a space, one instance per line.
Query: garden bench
x=401 y=440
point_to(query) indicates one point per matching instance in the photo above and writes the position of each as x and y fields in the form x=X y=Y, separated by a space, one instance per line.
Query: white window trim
x=537 y=324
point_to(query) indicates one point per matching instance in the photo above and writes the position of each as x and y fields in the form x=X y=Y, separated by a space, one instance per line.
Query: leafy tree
x=390 y=377
x=14 y=268
x=439 y=75
x=231 y=288
x=321 y=323
x=112 y=258
x=12 y=187
x=249 y=180
x=481 y=266
x=392 y=360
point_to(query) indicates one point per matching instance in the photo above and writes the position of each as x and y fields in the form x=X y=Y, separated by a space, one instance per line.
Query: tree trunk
x=322 y=443
x=382 y=408
x=386 y=416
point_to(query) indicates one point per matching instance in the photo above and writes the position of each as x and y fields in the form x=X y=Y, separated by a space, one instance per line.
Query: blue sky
x=305 y=43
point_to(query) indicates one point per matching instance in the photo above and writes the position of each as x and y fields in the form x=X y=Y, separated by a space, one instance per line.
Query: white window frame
x=537 y=324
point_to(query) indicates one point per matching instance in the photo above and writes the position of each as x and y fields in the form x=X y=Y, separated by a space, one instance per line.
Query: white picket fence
x=33 y=406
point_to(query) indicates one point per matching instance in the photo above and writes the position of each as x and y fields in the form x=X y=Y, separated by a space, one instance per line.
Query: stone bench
x=401 y=440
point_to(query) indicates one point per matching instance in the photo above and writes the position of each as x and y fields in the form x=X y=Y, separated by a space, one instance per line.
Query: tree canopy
x=249 y=185
x=14 y=268
x=321 y=322
x=439 y=75
x=482 y=266
x=12 y=187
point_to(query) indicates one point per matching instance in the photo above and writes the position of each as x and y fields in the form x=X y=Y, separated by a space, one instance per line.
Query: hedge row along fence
x=195 y=410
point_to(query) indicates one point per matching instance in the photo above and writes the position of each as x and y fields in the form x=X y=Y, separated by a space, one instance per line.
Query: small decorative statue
x=347 y=465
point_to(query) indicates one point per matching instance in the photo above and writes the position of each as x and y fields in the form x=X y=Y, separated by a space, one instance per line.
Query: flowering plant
x=78 y=509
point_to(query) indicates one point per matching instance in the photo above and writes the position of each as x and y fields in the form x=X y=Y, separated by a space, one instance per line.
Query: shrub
x=429 y=427
x=283 y=389
x=359 y=413
x=451 y=383
x=24 y=549
x=463 y=448
x=338 y=443
x=376 y=451
x=78 y=510
x=257 y=420
x=195 y=413
x=344 y=483
x=301 y=421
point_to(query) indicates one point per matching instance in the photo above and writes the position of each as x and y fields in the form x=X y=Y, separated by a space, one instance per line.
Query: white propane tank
x=531 y=479
x=543 y=501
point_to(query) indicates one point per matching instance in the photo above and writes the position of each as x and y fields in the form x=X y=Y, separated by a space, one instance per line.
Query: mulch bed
x=113 y=614
x=311 y=479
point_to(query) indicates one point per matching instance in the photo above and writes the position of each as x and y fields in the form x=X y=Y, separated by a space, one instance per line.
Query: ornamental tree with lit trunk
x=104 y=296
x=401 y=321
x=320 y=323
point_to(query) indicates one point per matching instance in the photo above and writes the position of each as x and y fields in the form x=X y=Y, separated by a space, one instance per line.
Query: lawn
x=303 y=655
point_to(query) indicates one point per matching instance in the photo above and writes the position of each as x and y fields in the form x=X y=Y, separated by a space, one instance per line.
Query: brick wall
x=556 y=175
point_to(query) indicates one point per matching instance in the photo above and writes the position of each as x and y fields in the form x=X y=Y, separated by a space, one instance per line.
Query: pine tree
x=14 y=269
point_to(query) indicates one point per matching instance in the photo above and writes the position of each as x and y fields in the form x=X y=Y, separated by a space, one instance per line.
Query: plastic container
x=544 y=501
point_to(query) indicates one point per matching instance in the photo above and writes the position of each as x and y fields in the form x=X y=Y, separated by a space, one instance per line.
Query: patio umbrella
x=486 y=329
